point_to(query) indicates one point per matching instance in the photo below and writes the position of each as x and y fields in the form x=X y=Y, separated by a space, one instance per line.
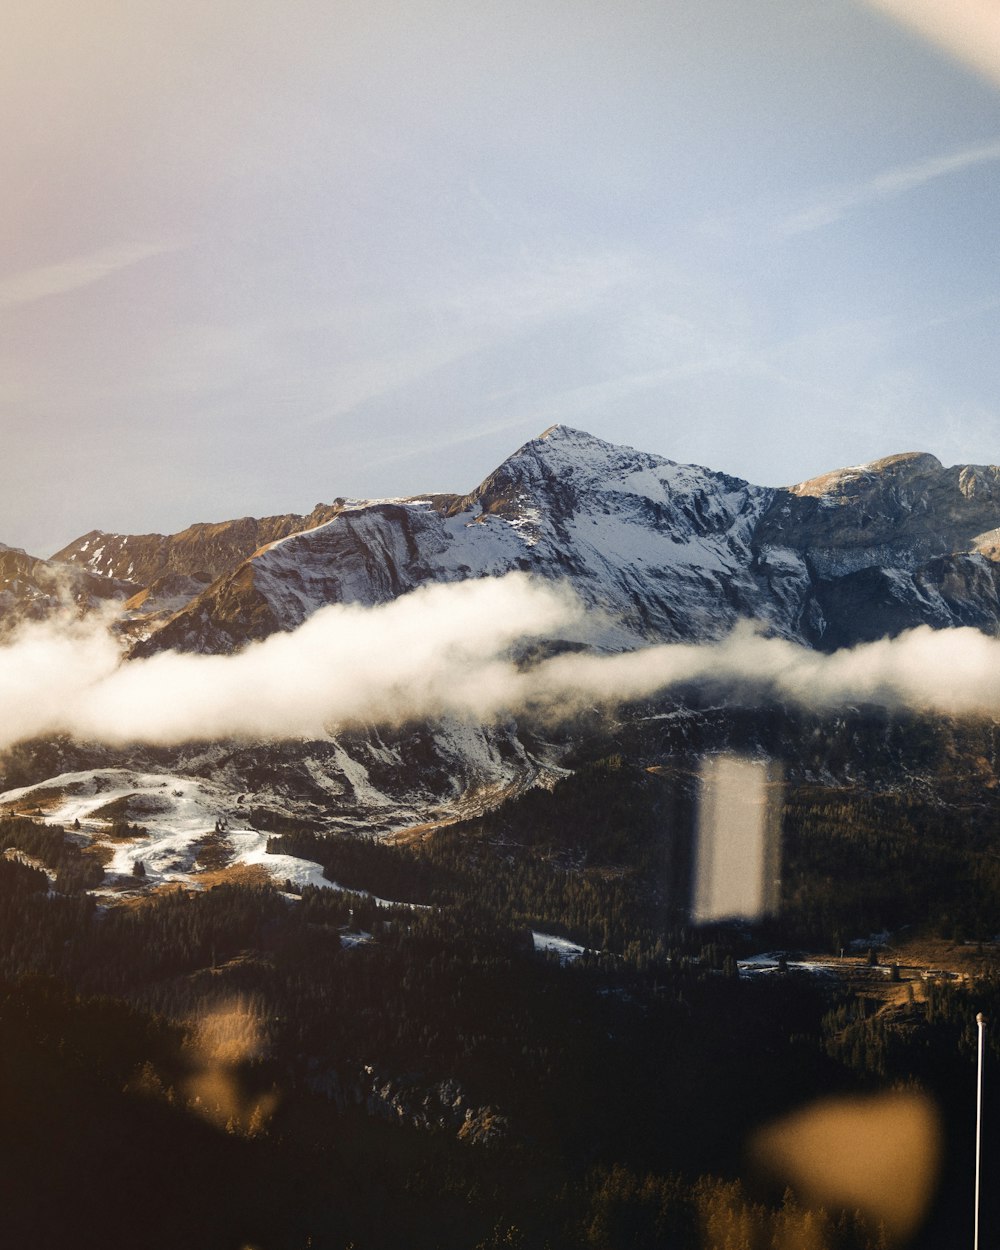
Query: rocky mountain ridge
x=665 y=551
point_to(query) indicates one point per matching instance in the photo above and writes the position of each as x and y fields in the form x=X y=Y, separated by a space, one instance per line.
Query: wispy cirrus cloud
x=406 y=340
x=31 y=285
x=900 y=179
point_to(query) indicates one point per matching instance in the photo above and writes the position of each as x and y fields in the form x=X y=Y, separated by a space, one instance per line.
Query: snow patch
x=250 y=847
x=548 y=943
x=357 y=776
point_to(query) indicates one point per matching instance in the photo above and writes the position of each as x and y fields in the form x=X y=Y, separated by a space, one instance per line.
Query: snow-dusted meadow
x=176 y=816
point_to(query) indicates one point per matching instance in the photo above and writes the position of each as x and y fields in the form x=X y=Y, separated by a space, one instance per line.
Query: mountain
x=665 y=551
x=662 y=549
x=657 y=551
x=885 y=546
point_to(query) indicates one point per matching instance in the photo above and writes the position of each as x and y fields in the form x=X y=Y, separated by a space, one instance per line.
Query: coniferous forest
x=400 y=1062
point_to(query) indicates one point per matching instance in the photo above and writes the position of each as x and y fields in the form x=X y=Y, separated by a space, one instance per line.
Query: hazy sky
x=255 y=254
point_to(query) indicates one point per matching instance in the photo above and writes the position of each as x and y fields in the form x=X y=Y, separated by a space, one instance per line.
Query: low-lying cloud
x=446 y=650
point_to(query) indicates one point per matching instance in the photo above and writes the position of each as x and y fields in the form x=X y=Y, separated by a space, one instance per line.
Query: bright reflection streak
x=738 y=842
x=966 y=29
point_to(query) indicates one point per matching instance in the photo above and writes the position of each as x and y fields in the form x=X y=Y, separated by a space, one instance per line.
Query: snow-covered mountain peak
x=564 y=470
x=635 y=535
x=562 y=450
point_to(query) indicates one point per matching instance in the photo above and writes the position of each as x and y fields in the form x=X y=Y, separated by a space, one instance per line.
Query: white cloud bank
x=444 y=650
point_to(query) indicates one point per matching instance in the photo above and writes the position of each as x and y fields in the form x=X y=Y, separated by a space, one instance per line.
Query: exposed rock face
x=203 y=552
x=892 y=544
x=157 y=575
x=23 y=578
x=895 y=512
x=876 y=602
x=31 y=588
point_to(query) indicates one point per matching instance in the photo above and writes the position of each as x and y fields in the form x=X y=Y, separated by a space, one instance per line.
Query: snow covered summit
x=661 y=549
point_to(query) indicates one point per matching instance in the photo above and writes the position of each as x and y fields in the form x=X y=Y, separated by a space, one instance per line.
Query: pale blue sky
x=255 y=254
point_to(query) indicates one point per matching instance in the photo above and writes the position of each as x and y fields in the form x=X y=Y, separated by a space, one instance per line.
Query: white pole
x=981 y=1021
